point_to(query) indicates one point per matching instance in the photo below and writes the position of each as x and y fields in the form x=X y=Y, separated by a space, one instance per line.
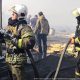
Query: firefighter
x=76 y=41
x=23 y=38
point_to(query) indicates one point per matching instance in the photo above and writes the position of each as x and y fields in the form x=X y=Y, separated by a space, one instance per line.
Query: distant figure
x=29 y=19
x=33 y=21
x=42 y=30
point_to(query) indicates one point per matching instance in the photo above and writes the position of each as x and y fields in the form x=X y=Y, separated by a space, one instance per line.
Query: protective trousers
x=16 y=72
x=77 y=70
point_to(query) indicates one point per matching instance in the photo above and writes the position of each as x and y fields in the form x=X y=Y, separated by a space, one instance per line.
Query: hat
x=40 y=13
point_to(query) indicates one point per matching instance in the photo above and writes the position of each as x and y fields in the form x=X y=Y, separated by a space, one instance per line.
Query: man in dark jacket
x=42 y=30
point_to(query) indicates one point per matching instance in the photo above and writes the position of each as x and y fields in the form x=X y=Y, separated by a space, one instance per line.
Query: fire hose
x=61 y=57
x=60 y=60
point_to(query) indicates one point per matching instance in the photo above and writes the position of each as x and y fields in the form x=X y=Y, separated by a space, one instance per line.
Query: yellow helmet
x=76 y=12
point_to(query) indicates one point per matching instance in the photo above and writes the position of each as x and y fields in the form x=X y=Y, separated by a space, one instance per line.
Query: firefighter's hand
x=72 y=40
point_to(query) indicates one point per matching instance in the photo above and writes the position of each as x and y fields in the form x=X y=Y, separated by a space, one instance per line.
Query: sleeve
x=27 y=40
x=23 y=42
x=27 y=43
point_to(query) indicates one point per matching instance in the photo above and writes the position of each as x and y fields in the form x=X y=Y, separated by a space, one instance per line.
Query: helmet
x=76 y=12
x=21 y=10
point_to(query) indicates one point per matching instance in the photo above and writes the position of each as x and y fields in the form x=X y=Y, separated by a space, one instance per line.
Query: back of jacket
x=42 y=26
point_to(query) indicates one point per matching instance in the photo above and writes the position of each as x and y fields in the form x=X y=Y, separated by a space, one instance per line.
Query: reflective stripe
x=78 y=74
x=20 y=43
x=77 y=41
x=77 y=48
x=26 y=35
x=17 y=59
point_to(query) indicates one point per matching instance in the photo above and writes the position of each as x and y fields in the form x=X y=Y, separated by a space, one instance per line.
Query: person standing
x=42 y=31
x=76 y=40
x=33 y=21
x=23 y=38
x=29 y=20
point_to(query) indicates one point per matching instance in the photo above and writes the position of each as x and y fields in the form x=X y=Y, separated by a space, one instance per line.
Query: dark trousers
x=42 y=44
x=78 y=62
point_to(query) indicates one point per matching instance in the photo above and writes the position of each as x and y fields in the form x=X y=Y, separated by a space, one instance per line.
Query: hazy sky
x=58 y=12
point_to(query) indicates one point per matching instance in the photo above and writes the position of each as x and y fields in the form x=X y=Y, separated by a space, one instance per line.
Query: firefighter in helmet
x=23 y=39
x=76 y=13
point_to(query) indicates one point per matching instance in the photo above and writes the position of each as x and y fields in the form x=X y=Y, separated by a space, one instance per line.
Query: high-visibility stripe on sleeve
x=77 y=48
x=20 y=43
x=26 y=35
x=77 y=41
x=77 y=73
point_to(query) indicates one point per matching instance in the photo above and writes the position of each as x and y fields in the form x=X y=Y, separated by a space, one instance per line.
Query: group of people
x=24 y=32
x=32 y=21
x=24 y=38
x=40 y=27
x=42 y=36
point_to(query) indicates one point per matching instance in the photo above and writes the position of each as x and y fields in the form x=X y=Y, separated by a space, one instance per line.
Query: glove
x=2 y=31
x=2 y=35
x=1 y=38
x=14 y=41
x=5 y=34
x=72 y=38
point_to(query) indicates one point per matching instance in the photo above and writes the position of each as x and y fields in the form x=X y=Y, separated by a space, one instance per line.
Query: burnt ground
x=49 y=64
